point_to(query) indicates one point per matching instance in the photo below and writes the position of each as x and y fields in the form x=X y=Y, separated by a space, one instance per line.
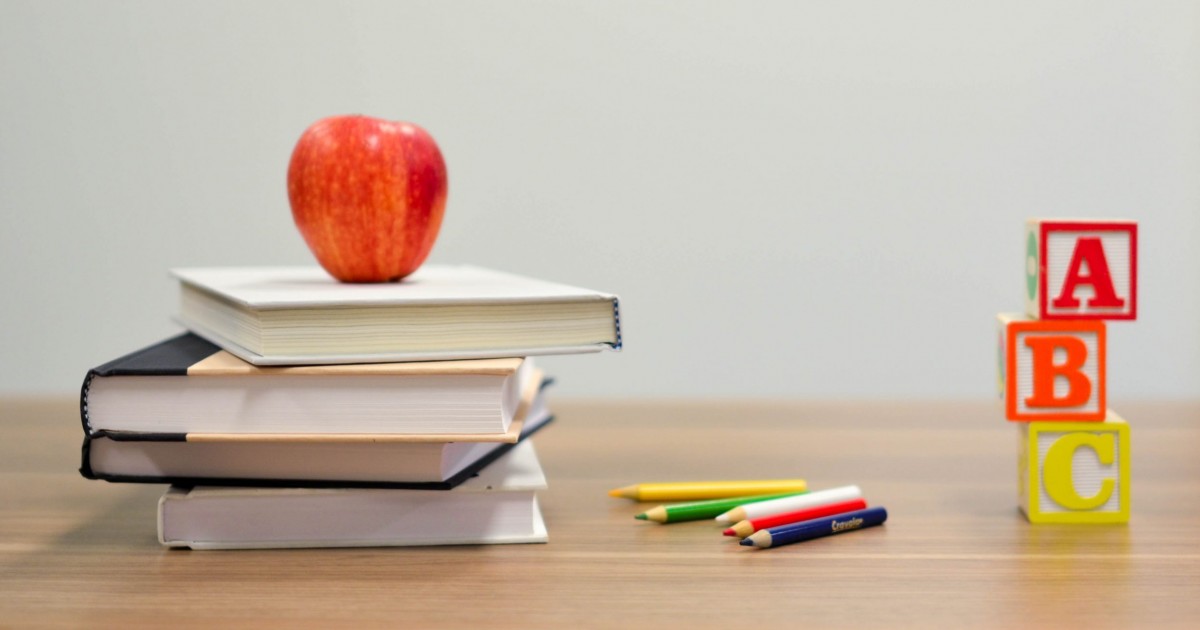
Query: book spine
x=617 y=321
x=85 y=458
x=83 y=404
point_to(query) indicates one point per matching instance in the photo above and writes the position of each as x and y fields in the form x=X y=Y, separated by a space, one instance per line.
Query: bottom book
x=498 y=506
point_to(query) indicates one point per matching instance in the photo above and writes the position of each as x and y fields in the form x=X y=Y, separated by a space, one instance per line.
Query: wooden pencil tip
x=742 y=529
x=746 y=542
x=729 y=532
x=658 y=515
x=628 y=492
x=641 y=517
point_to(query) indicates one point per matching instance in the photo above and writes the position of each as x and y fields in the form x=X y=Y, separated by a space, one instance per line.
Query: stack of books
x=302 y=412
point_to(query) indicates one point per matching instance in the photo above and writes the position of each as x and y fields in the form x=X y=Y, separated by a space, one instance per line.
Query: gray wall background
x=820 y=200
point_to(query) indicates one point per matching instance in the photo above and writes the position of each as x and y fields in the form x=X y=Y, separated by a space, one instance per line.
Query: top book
x=301 y=315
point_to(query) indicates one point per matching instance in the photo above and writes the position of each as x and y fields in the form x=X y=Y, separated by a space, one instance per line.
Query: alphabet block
x=1052 y=370
x=1081 y=269
x=1074 y=472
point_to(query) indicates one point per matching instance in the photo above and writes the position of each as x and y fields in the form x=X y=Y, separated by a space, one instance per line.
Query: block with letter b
x=1074 y=472
x=1081 y=269
x=1052 y=370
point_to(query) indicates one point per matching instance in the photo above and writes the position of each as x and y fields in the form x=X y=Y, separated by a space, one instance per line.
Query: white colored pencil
x=789 y=504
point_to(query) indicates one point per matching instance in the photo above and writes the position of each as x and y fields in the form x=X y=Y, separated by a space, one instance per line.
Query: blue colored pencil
x=815 y=528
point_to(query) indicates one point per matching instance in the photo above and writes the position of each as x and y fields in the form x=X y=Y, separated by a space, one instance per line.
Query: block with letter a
x=1081 y=269
x=1074 y=472
x=1052 y=370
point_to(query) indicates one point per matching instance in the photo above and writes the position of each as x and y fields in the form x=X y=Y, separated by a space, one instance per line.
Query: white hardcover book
x=301 y=315
x=498 y=506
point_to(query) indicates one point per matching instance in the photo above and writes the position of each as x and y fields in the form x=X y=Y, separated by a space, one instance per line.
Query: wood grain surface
x=955 y=551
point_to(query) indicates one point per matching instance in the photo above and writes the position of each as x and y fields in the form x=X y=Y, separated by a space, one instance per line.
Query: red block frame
x=1046 y=227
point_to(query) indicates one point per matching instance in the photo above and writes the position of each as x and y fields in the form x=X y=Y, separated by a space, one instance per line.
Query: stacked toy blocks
x=1073 y=462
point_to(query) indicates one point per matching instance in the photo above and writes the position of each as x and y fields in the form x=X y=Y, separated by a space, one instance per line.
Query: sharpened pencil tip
x=724 y=520
x=729 y=532
x=746 y=542
x=625 y=492
x=641 y=517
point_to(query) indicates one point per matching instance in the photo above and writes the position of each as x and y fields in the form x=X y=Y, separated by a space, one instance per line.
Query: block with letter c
x=1075 y=472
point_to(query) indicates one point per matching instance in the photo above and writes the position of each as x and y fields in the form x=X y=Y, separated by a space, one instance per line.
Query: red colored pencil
x=747 y=527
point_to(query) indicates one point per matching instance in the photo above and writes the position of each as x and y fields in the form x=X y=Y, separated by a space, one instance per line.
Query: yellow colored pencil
x=701 y=490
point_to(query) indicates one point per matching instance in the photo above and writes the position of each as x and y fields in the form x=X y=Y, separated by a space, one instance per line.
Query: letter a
x=1088 y=249
x=1045 y=371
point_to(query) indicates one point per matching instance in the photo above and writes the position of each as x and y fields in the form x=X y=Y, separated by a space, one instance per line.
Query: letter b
x=1054 y=370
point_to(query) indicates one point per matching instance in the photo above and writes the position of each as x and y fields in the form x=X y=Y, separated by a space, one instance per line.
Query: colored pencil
x=702 y=509
x=790 y=504
x=744 y=528
x=816 y=528
x=701 y=490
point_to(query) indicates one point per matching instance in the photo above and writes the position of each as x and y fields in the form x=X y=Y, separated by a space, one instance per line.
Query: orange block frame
x=1085 y=399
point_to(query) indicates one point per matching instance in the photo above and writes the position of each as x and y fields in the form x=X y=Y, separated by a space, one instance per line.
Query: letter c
x=1057 y=469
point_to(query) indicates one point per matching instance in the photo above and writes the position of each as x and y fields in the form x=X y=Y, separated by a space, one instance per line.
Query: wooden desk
x=956 y=551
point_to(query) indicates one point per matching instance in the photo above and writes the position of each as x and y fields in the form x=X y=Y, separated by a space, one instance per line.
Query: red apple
x=367 y=195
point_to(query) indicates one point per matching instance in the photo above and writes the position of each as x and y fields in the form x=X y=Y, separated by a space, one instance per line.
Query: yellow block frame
x=1030 y=477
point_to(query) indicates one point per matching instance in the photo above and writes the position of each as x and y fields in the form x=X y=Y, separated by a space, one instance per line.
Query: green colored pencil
x=697 y=510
